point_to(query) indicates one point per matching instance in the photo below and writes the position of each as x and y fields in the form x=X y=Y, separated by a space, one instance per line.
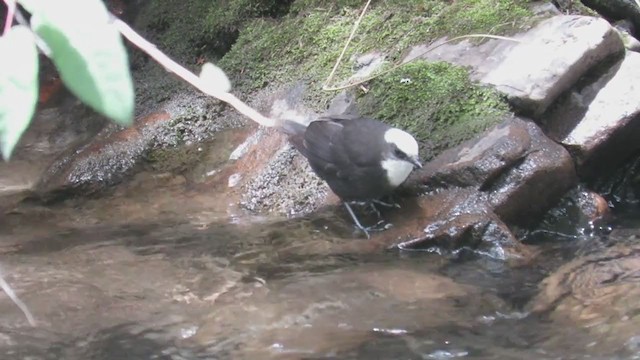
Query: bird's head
x=401 y=155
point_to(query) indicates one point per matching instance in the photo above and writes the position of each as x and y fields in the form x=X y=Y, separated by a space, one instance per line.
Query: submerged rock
x=597 y=293
x=333 y=313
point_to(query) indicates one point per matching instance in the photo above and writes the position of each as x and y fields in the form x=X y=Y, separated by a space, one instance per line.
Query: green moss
x=305 y=44
x=304 y=6
x=439 y=104
x=176 y=159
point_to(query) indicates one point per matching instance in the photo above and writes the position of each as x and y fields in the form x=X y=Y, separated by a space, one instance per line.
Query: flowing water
x=161 y=269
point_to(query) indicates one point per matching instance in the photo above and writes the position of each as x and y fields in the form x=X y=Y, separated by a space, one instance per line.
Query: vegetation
x=305 y=43
x=436 y=102
x=88 y=54
x=260 y=43
x=441 y=105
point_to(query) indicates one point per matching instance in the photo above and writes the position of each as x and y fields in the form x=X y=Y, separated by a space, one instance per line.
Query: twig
x=346 y=45
x=172 y=66
x=11 y=9
x=16 y=300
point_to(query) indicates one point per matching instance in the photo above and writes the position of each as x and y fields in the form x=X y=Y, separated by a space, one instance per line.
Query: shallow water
x=162 y=269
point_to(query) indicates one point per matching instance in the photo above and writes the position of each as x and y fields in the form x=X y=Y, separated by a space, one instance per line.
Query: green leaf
x=18 y=86
x=88 y=52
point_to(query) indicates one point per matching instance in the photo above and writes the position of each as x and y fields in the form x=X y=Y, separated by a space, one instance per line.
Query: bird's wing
x=324 y=147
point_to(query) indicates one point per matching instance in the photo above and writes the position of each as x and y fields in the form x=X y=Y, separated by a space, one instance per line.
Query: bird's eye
x=399 y=154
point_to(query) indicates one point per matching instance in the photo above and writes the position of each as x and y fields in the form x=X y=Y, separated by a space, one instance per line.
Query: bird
x=361 y=159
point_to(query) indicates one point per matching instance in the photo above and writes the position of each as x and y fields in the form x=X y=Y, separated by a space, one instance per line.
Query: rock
x=617 y=10
x=455 y=219
x=114 y=154
x=581 y=212
x=331 y=314
x=522 y=172
x=53 y=130
x=285 y=184
x=597 y=293
x=551 y=58
x=366 y=65
x=622 y=187
x=546 y=61
x=530 y=187
x=593 y=207
x=103 y=162
x=343 y=104
x=607 y=119
x=625 y=30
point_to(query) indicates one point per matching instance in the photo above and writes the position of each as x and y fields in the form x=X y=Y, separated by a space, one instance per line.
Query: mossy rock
x=305 y=44
x=436 y=102
x=275 y=43
x=175 y=159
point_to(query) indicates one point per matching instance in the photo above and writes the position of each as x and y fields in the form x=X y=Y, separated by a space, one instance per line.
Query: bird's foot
x=379 y=226
x=386 y=204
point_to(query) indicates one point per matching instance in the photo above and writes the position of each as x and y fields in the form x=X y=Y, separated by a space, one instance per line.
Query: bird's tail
x=292 y=127
x=295 y=132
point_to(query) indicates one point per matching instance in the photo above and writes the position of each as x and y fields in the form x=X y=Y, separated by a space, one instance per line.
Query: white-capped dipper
x=361 y=159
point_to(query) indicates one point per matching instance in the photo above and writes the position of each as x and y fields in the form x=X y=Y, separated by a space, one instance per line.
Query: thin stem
x=186 y=75
x=346 y=45
x=16 y=300
x=11 y=9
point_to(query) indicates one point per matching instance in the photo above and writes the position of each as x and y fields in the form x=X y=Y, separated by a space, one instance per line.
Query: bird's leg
x=375 y=209
x=356 y=221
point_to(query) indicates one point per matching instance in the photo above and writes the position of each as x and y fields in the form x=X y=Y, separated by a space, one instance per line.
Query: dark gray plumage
x=361 y=159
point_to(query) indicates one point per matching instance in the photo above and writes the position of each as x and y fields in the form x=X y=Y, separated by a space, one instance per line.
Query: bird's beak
x=416 y=162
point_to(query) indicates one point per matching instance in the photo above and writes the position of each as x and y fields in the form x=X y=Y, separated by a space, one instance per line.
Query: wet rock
x=551 y=58
x=52 y=131
x=522 y=172
x=597 y=293
x=455 y=219
x=103 y=162
x=594 y=207
x=532 y=186
x=622 y=187
x=286 y=185
x=276 y=177
x=168 y=133
x=606 y=119
x=580 y=213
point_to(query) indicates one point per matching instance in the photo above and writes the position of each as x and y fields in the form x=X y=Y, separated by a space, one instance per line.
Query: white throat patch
x=397 y=171
x=403 y=140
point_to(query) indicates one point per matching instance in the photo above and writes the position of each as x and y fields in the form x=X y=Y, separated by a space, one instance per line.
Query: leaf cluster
x=87 y=51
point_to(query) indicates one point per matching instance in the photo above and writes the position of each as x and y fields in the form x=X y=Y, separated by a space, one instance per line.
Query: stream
x=160 y=269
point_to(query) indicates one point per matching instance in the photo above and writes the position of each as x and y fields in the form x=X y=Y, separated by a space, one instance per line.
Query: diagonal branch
x=186 y=75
